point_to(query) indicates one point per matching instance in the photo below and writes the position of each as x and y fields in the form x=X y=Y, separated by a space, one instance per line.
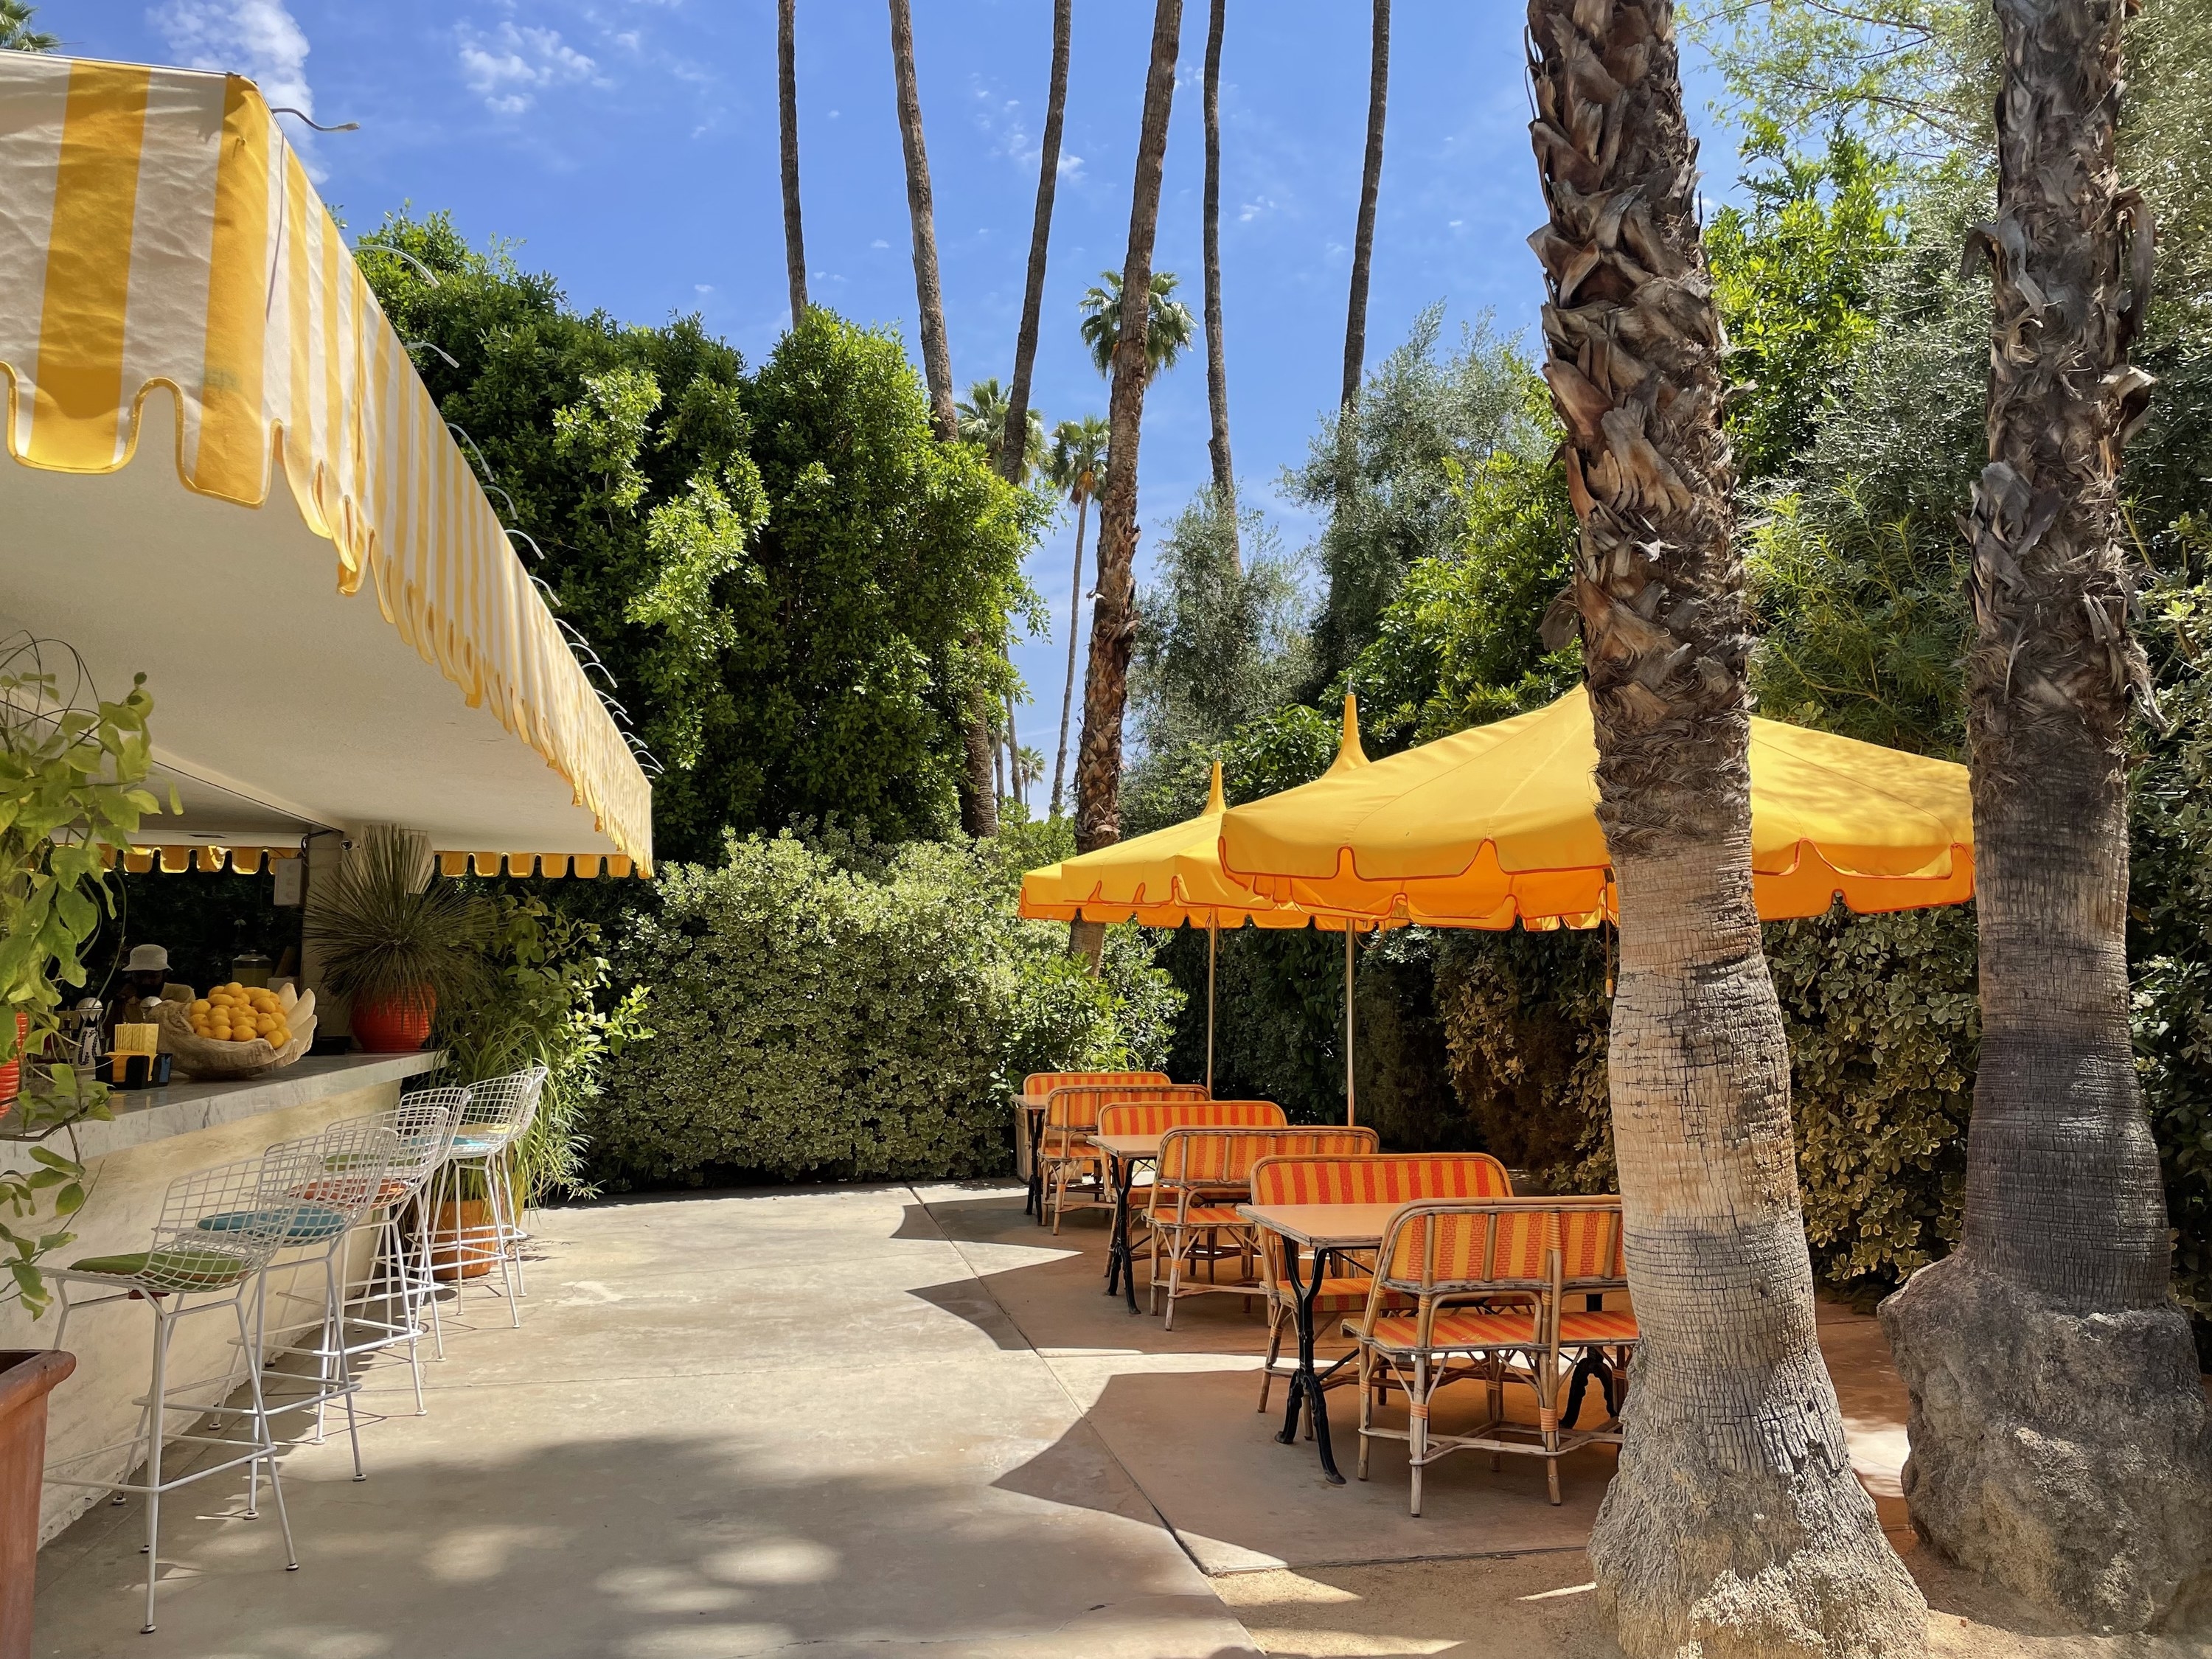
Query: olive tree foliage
x=778 y=568
x=1387 y=472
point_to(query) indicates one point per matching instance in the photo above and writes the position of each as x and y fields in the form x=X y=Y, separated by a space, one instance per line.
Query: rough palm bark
x=1216 y=361
x=979 y=799
x=2059 y=1433
x=1078 y=452
x=787 y=115
x=1735 y=1526
x=1370 y=186
x=1055 y=113
x=1113 y=618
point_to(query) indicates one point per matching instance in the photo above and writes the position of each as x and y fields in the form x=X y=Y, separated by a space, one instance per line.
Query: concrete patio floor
x=879 y=1420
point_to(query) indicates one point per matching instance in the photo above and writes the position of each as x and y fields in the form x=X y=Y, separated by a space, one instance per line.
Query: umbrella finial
x=1216 y=803
x=1348 y=751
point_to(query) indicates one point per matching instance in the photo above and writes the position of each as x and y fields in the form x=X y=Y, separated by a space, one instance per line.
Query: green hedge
x=826 y=1007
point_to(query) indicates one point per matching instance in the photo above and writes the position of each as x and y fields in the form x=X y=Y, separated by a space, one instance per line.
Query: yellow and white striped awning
x=165 y=263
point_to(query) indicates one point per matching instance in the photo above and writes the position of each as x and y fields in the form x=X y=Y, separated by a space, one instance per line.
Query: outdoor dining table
x=1326 y=1230
x=1123 y=1154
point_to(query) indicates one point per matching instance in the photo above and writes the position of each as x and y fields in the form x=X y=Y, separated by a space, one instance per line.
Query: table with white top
x=1324 y=1230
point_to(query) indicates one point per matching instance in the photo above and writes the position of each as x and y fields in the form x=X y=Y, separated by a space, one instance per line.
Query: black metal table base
x=1120 y=1267
x=1306 y=1382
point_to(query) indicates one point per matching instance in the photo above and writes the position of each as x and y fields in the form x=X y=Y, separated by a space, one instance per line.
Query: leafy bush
x=827 y=1006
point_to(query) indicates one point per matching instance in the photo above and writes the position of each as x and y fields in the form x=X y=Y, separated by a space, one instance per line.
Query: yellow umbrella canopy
x=1499 y=823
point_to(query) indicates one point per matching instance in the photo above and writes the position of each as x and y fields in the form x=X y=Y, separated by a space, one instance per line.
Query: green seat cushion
x=203 y=1270
x=299 y=1223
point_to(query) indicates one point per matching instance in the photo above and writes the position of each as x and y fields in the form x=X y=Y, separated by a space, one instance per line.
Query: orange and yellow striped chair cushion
x=1599 y=1325
x=1460 y=1327
x=1388 y=1178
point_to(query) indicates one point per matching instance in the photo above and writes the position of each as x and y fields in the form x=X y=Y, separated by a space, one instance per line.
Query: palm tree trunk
x=1113 y=620
x=1074 y=632
x=922 y=215
x=1216 y=362
x=2059 y=1433
x=1735 y=1521
x=1013 y=754
x=979 y=799
x=786 y=110
x=1016 y=447
x=1370 y=186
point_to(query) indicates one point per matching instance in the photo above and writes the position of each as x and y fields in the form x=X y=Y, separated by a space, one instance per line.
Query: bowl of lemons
x=238 y=1030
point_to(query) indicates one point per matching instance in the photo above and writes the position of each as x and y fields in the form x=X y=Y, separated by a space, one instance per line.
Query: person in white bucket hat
x=145 y=972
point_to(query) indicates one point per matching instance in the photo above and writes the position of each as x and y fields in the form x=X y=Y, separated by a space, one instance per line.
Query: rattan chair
x=1068 y=1161
x=1479 y=1293
x=1382 y=1178
x=1203 y=1174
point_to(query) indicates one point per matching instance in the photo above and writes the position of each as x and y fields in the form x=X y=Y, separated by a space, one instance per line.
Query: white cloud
x=259 y=39
x=1253 y=209
x=880 y=242
x=509 y=69
x=703 y=288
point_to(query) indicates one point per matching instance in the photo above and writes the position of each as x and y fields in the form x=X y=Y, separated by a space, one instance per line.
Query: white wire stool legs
x=497 y=1115
x=215 y=1234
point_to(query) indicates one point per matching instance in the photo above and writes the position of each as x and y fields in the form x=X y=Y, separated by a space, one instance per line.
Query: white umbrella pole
x=1349 y=1117
x=1212 y=946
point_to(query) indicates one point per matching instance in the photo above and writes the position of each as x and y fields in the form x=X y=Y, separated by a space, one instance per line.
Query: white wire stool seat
x=349 y=1163
x=389 y=1307
x=498 y=1114
x=217 y=1230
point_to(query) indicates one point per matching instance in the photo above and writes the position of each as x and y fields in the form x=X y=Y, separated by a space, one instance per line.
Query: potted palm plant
x=394 y=936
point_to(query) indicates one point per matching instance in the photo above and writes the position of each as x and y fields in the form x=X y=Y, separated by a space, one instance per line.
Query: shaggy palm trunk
x=1014 y=449
x=1734 y=1525
x=1370 y=186
x=2060 y=1441
x=787 y=114
x=1217 y=361
x=979 y=799
x=1074 y=631
x=1113 y=619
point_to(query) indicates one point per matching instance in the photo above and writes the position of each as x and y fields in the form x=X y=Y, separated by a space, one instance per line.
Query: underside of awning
x=181 y=326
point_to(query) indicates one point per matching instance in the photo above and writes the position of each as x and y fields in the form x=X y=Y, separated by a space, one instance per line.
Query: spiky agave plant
x=390 y=931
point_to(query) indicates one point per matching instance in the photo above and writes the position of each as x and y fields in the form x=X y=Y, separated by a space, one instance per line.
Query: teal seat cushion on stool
x=186 y=1269
x=298 y=1224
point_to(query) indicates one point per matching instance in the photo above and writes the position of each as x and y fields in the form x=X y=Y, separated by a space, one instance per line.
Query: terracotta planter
x=26 y=1380
x=446 y=1265
x=395 y=1024
x=11 y=1074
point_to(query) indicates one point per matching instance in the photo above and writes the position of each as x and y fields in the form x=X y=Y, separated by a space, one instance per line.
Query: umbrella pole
x=1348 y=1114
x=1213 y=947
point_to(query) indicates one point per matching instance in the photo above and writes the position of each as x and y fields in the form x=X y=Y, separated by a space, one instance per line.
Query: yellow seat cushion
x=1459 y=1327
x=1599 y=1325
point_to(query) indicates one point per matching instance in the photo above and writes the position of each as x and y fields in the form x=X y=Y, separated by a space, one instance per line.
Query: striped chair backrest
x=1222 y=1159
x=1037 y=1085
x=1157 y=1117
x=1385 y=1178
x=1075 y=1107
x=1533 y=1245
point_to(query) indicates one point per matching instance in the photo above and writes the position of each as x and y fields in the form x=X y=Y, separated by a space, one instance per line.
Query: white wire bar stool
x=350 y=1162
x=498 y=1114
x=392 y=1304
x=218 y=1230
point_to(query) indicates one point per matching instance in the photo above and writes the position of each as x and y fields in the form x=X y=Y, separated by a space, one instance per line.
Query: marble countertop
x=142 y=1116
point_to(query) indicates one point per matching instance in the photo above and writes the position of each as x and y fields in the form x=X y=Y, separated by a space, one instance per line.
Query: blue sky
x=630 y=147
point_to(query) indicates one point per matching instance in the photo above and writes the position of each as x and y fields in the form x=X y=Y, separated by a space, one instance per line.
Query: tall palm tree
x=1216 y=363
x=1113 y=620
x=16 y=34
x=1168 y=327
x=983 y=424
x=787 y=116
x=2059 y=1433
x=922 y=215
x=979 y=799
x=1735 y=1520
x=1370 y=186
x=1019 y=414
x=1076 y=463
